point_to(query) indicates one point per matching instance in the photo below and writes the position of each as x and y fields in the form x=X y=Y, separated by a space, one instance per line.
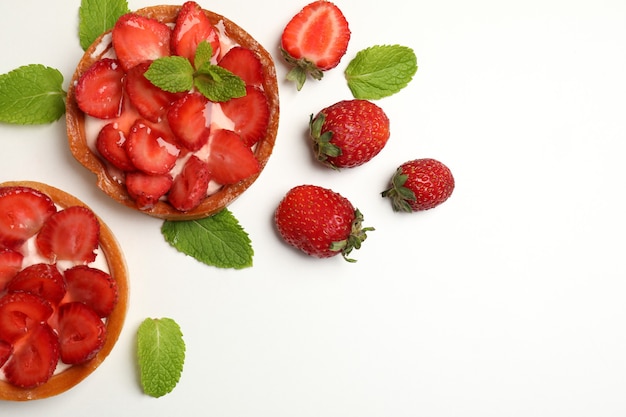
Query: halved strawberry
x=34 y=358
x=192 y=27
x=147 y=189
x=70 y=234
x=20 y=312
x=151 y=150
x=244 y=63
x=99 y=91
x=81 y=333
x=150 y=101
x=250 y=114
x=41 y=279
x=23 y=211
x=91 y=286
x=110 y=145
x=230 y=160
x=189 y=119
x=137 y=39
x=190 y=185
x=6 y=350
x=10 y=265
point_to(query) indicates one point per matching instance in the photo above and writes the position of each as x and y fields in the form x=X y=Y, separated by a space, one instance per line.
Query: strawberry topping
x=110 y=144
x=20 y=312
x=81 y=333
x=244 y=63
x=41 y=279
x=250 y=114
x=190 y=186
x=150 y=101
x=99 y=91
x=147 y=189
x=192 y=27
x=189 y=119
x=10 y=265
x=230 y=160
x=93 y=287
x=137 y=39
x=6 y=350
x=151 y=150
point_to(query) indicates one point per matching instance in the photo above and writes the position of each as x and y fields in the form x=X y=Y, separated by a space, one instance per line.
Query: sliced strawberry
x=192 y=27
x=99 y=91
x=34 y=358
x=150 y=101
x=147 y=189
x=137 y=39
x=244 y=63
x=190 y=185
x=189 y=118
x=150 y=149
x=230 y=160
x=10 y=265
x=250 y=114
x=41 y=279
x=23 y=211
x=20 y=312
x=110 y=145
x=93 y=287
x=70 y=234
x=81 y=333
x=6 y=350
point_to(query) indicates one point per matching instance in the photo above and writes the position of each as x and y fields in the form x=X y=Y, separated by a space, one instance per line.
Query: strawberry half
x=10 y=265
x=190 y=185
x=70 y=234
x=189 y=119
x=192 y=27
x=6 y=350
x=250 y=114
x=19 y=313
x=41 y=279
x=99 y=91
x=110 y=144
x=147 y=189
x=151 y=150
x=23 y=211
x=230 y=160
x=314 y=41
x=81 y=333
x=34 y=358
x=137 y=39
x=93 y=287
x=244 y=63
x=150 y=101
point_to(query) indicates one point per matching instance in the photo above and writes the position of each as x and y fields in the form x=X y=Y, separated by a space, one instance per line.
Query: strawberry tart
x=173 y=152
x=63 y=291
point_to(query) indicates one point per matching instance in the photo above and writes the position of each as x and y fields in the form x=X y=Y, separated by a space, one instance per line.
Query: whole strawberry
x=314 y=41
x=320 y=222
x=349 y=133
x=420 y=184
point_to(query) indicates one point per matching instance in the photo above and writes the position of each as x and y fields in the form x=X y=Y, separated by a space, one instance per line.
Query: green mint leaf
x=204 y=51
x=171 y=73
x=218 y=84
x=160 y=354
x=217 y=241
x=31 y=94
x=380 y=71
x=96 y=17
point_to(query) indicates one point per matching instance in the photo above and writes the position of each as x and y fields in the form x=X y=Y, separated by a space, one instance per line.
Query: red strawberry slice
x=93 y=287
x=110 y=145
x=6 y=350
x=137 y=39
x=71 y=234
x=150 y=149
x=99 y=91
x=34 y=358
x=147 y=189
x=41 y=279
x=244 y=63
x=81 y=333
x=250 y=114
x=10 y=265
x=189 y=119
x=190 y=185
x=150 y=101
x=20 y=312
x=192 y=27
x=230 y=160
x=23 y=211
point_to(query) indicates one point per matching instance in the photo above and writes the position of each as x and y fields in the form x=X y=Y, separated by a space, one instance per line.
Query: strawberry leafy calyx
x=322 y=147
x=399 y=194
x=301 y=68
x=358 y=234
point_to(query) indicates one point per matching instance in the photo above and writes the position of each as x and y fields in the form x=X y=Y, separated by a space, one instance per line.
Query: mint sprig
x=380 y=71
x=160 y=355
x=176 y=74
x=217 y=240
x=96 y=17
x=32 y=94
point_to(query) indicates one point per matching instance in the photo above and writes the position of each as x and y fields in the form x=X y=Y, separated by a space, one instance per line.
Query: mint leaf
x=380 y=71
x=204 y=51
x=96 y=17
x=217 y=241
x=171 y=73
x=218 y=84
x=31 y=94
x=160 y=354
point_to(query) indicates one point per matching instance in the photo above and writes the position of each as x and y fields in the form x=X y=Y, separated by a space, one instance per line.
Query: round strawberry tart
x=173 y=149
x=63 y=291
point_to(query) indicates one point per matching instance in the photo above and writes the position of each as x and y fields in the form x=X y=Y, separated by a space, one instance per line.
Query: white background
x=508 y=300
